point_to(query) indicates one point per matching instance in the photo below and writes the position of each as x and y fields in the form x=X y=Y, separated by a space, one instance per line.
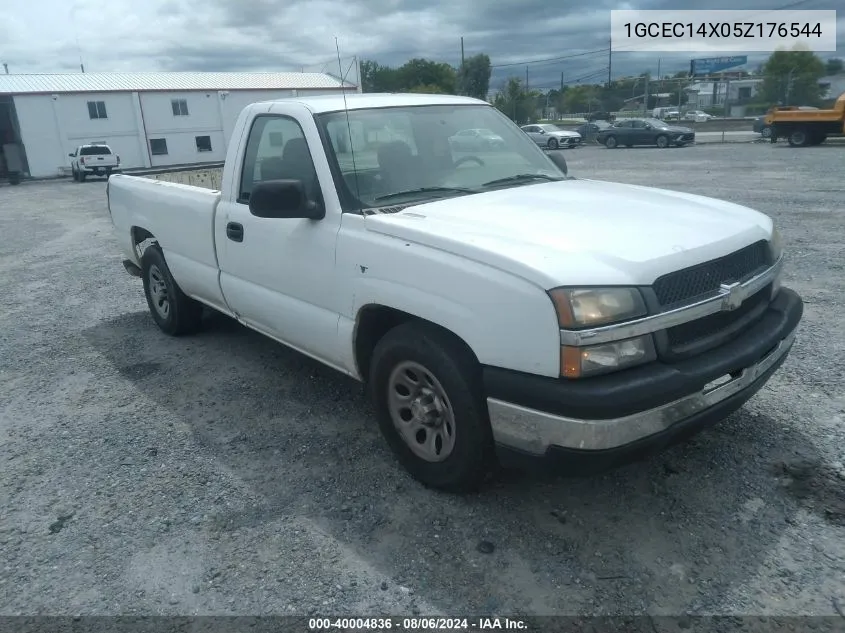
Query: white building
x=707 y=94
x=148 y=119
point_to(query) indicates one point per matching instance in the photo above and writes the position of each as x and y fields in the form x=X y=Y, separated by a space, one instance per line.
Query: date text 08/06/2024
x=416 y=624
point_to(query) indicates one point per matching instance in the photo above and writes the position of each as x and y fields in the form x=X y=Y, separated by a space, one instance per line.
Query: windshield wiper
x=408 y=192
x=520 y=177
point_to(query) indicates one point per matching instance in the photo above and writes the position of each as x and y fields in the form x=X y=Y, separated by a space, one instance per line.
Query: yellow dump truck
x=806 y=127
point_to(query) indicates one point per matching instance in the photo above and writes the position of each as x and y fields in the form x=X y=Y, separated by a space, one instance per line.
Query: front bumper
x=607 y=420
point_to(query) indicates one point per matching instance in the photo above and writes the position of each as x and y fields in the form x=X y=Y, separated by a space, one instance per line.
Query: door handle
x=235 y=231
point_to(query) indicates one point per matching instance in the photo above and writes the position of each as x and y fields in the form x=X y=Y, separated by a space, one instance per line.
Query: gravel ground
x=224 y=474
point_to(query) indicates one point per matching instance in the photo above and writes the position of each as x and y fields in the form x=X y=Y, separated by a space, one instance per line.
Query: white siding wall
x=52 y=128
x=180 y=132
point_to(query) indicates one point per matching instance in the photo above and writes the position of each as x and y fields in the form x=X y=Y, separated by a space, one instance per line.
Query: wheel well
x=141 y=240
x=374 y=321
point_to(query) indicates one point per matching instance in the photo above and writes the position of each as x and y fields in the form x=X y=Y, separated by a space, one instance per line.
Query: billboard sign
x=709 y=65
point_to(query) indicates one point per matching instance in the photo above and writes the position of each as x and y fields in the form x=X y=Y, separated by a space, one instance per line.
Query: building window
x=180 y=107
x=203 y=143
x=158 y=146
x=97 y=110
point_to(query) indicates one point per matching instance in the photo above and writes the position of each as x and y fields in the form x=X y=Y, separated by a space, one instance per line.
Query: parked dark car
x=588 y=131
x=600 y=116
x=645 y=132
x=761 y=128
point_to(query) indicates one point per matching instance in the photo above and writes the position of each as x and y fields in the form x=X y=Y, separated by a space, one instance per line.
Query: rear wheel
x=766 y=132
x=174 y=312
x=799 y=137
x=610 y=142
x=426 y=389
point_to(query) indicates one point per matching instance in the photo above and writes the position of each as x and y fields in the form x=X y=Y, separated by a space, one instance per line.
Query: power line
x=549 y=59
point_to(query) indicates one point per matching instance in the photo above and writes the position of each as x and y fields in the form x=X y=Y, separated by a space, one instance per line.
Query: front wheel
x=662 y=141
x=426 y=389
x=766 y=132
x=174 y=312
x=553 y=143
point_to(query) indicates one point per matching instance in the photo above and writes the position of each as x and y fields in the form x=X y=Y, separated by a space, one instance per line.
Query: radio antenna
x=348 y=125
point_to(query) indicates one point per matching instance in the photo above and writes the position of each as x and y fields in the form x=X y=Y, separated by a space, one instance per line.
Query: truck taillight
x=118 y=160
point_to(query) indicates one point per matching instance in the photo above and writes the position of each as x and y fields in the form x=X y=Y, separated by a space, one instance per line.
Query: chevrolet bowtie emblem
x=732 y=296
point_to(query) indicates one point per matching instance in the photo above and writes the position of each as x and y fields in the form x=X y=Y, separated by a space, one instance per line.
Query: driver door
x=277 y=274
x=641 y=133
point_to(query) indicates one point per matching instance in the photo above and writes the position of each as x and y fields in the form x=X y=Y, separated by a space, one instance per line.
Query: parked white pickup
x=495 y=307
x=93 y=160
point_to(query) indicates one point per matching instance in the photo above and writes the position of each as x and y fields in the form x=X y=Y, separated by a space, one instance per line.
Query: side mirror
x=559 y=161
x=283 y=199
x=542 y=131
x=71 y=155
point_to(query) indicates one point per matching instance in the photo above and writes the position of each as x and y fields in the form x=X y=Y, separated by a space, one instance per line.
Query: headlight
x=581 y=362
x=586 y=307
x=775 y=245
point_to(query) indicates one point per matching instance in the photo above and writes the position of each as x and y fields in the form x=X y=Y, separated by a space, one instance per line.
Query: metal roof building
x=149 y=119
x=170 y=81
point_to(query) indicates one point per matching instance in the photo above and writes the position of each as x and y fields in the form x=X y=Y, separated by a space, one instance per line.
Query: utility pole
x=645 y=95
x=526 y=79
x=609 y=59
x=462 y=51
x=659 y=77
x=561 y=82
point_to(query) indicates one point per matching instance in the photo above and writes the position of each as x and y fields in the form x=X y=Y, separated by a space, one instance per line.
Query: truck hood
x=579 y=231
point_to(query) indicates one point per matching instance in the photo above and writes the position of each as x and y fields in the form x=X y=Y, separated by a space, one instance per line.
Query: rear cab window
x=94 y=150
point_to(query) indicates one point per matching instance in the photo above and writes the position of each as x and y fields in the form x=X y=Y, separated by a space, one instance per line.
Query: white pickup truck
x=496 y=308
x=95 y=159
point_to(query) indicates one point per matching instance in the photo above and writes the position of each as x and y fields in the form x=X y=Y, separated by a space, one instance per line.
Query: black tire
x=610 y=142
x=766 y=132
x=184 y=314
x=81 y=176
x=662 y=141
x=799 y=137
x=456 y=371
x=75 y=174
x=553 y=143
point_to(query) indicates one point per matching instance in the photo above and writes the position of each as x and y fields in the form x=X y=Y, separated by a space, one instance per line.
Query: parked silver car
x=476 y=139
x=551 y=136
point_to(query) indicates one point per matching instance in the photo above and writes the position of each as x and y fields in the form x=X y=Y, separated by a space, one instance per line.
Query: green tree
x=474 y=76
x=424 y=72
x=378 y=78
x=517 y=103
x=834 y=66
x=792 y=78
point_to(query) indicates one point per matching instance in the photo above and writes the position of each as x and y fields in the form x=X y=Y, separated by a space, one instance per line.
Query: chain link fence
x=724 y=109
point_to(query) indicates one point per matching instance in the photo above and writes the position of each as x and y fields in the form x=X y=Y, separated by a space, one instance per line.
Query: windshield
x=550 y=127
x=94 y=150
x=400 y=155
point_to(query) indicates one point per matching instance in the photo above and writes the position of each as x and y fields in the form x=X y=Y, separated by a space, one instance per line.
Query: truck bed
x=181 y=219
x=209 y=178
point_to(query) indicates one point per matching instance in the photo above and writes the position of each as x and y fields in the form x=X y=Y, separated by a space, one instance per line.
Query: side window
x=638 y=124
x=277 y=150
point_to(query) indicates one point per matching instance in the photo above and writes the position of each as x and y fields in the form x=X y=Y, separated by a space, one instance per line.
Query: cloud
x=119 y=35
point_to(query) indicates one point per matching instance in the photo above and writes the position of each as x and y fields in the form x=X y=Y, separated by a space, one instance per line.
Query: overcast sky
x=41 y=36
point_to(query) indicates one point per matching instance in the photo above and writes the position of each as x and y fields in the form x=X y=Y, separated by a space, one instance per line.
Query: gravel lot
x=224 y=474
